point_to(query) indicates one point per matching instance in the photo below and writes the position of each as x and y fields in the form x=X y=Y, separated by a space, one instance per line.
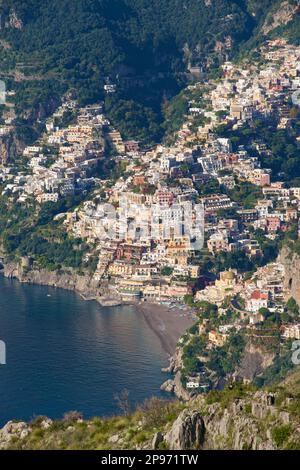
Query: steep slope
x=145 y=47
x=98 y=35
x=290 y=258
x=281 y=15
x=237 y=418
x=277 y=19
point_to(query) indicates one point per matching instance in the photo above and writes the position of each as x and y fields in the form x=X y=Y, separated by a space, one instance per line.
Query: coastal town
x=196 y=222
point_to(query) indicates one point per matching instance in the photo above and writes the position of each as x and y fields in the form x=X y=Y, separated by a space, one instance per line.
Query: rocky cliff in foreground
x=237 y=418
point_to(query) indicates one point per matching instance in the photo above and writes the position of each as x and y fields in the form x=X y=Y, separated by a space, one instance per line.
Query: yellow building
x=227 y=280
x=118 y=268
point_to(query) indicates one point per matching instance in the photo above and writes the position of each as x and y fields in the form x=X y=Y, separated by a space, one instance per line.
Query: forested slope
x=146 y=47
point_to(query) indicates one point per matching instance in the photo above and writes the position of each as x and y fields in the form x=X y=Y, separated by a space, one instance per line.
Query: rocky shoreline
x=84 y=284
x=174 y=385
x=64 y=279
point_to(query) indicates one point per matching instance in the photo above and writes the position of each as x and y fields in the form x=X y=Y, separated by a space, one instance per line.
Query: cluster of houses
x=62 y=162
x=139 y=227
x=152 y=226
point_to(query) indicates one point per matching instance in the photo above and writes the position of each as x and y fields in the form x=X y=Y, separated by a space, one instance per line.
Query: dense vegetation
x=283 y=156
x=144 y=47
x=264 y=11
x=31 y=232
x=223 y=361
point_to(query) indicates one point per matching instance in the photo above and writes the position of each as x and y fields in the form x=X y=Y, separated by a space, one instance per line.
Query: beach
x=168 y=323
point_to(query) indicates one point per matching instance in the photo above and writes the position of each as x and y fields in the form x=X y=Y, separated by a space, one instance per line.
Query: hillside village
x=198 y=222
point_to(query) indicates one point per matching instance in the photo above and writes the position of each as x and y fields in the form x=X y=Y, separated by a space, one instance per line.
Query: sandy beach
x=168 y=323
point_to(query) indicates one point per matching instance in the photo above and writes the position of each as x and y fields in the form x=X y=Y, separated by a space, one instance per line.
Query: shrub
x=155 y=411
x=280 y=434
x=72 y=416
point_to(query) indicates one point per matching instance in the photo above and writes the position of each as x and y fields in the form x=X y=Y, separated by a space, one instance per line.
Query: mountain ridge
x=147 y=48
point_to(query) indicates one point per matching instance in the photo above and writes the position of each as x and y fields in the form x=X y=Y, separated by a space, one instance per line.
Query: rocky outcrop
x=14 y=21
x=168 y=386
x=237 y=419
x=175 y=386
x=282 y=15
x=42 y=109
x=68 y=279
x=13 y=431
x=263 y=404
x=176 y=361
x=254 y=361
x=187 y=431
x=10 y=147
x=291 y=263
x=245 y=423
x=158 y=439
x=240 y=425
x=11 y=20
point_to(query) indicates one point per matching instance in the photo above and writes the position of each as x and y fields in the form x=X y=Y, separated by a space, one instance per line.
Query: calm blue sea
x=65 y=354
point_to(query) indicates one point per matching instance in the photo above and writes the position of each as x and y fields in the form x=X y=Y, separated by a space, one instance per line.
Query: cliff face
x=83 y=284
x=254 y=361
x=11 y=20
x=10 y=147
x=40 y=111
x=282 y=14
x=291 y=263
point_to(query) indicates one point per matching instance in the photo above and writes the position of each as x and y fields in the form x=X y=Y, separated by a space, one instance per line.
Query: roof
x=256 y=295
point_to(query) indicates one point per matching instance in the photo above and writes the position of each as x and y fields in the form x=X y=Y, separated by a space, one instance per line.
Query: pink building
x=273 y=224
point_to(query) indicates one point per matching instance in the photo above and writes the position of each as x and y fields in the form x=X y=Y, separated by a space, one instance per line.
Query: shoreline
x=168 y=322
